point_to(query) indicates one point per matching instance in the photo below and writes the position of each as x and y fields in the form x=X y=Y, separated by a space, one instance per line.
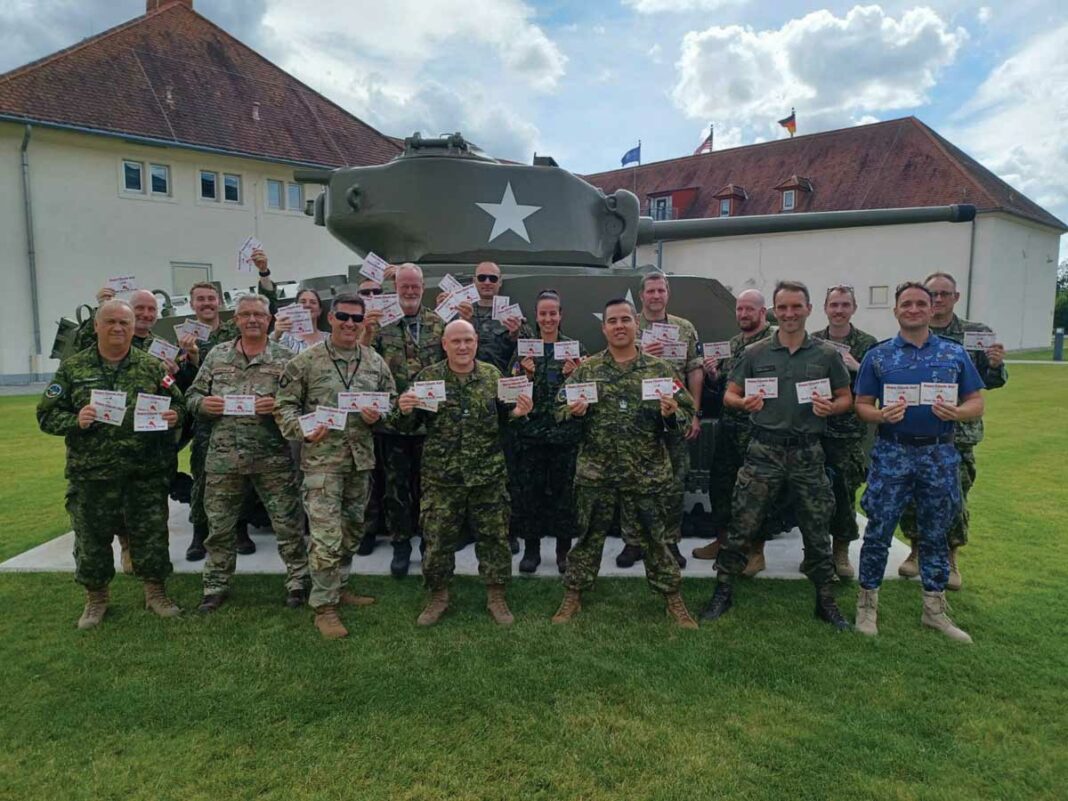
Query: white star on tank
x=508 y=215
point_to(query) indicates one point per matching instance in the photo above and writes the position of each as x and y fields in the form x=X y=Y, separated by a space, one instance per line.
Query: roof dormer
x=730 y=198
x=793 y=190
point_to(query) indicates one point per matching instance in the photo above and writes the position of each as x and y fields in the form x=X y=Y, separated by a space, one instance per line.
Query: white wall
x=87 y=229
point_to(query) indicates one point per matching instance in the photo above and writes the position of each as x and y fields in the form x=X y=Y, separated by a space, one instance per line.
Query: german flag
x=790 y=123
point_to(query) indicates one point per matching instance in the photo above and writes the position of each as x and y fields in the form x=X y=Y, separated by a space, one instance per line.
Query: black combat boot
x=722 y=600
x=367 y=544
x=827 y=609
x=244 y=544
x=629 y=555
x=513 y=544
x=196 y=551
x=531 y=555
x=679 y=558
x=563 y=547
x=402 y=557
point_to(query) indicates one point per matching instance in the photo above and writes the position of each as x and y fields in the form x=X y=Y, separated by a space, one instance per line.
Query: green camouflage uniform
x=545 y=451
x=843 y=445
x=117 y=478
x=624 y=468
x=246 y=451
x=463 y=474
x=336 y=469
x=968 y=434
x=407 y=347
x=784 y=451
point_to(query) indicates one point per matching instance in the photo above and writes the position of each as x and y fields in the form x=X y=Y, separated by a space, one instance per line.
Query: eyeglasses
x=942 y=294
x=493 y=279
x=366 y=292
x=356 y=317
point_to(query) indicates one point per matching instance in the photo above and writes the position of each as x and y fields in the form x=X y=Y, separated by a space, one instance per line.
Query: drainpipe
x=31 y=250
x=971 y=264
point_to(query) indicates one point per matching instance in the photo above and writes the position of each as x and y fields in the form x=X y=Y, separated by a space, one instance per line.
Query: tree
x=1060 y=305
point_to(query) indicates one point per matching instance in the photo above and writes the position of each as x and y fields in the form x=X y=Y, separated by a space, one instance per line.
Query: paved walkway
x=783 y=556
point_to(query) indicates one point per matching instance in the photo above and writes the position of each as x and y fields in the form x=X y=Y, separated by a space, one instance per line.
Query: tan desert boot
x=910 y=568
x=867 y=612
x=498 y=606
x=756 y=563
x=569 y=607
x=435 y=608
x=710 y=551
x=935 y=609
x=349 y=598
x=677 y=611
x=157 y=601
x=841 y=560
x=954 y=572
x=124 y=555
x=329 y=624
x=96 y=604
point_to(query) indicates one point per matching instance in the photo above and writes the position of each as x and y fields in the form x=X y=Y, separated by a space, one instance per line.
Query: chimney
x=156 y=5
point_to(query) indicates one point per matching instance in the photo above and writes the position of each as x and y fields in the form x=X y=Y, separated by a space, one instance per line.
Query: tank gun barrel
x=650 y=230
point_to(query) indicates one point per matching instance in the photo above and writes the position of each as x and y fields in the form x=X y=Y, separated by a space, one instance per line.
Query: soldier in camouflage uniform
x=117 y=478
x=463 y=464
x=336 y=464
x=624 y=469
x=843 y=443
x=991 y=366
x=784 y=447
x=733 y=435
x=407 y=346
x=545 y=452
x=247 y=450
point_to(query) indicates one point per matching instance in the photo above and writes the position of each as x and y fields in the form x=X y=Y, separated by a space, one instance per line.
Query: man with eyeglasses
x=990 y=362
x=843 y=442
x=235 y=391
x=336 y=463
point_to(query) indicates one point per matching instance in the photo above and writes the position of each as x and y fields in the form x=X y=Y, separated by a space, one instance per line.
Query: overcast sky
x=584 y=81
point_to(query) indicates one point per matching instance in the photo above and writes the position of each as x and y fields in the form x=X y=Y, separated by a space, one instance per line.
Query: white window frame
x=201 y=197
x=281 y=207
x=240 y=189
x=167 y=177
x=122 y=176
x=875 y=293
x=290 y=185
x=789 y=199
x=725 y=207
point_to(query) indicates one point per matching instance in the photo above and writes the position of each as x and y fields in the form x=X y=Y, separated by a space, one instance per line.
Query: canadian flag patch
x=678 y=385
x=168 y=381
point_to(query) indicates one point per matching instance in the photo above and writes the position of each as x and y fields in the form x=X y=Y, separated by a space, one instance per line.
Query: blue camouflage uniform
x=915 y=459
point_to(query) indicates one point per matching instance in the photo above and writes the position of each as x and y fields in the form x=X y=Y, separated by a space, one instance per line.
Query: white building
x=155 y=149
x=1005 y=262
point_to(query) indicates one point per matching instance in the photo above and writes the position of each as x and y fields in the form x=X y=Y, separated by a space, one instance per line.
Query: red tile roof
x=174 y=76
x=895 y=164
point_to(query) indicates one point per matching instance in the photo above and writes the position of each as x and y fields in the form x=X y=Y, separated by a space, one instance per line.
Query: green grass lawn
x=764 y=704
x=1034 y=355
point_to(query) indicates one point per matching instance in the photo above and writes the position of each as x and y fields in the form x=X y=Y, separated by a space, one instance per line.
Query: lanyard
x=347 y=383
x=415 y=334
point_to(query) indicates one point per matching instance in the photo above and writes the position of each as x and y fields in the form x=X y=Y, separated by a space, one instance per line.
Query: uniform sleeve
x=968 y=379
x=868 y=381
x=693 y=358
x=289 y=401
x=684 y=414
x=55 y=411
x=201 y=386
x=992 y=377
x=839 y=372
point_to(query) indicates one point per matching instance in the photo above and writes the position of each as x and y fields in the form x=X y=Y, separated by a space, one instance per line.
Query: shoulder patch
x=53 y=391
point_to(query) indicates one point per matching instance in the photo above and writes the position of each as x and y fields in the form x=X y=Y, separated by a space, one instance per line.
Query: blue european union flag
x=634 y=154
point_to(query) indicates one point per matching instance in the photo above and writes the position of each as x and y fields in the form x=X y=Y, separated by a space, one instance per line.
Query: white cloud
x=984 y=14
x=654 y=53
x=660 y=6
x=835 y=70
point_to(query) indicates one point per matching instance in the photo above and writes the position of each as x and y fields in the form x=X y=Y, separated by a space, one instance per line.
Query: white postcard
x=377 y=401
x=581 y=392
x=572 y=349
x=841 y=347
x=103 y=397
x=308 y=423
x=239 y=405
x=664 y=332
x=530 y=347
x=162 y=349
x=657 y=388
x=717 y=350
x=764 y=387
x=333 y=418
x=807 y=389
x=374 y=267
x=122 y=283
x=389 y=305
x=429 y=390
x=894 y=393
x=499 y=302
x=510 y=312
x=509 y=389
x=111 y=415
x=427 y=405
x=450 y=284
x=931 y=392
x=301 y=317
x=648 y=338
x=245 y=264
x=149 y=421
x=348 y=401
x=979 y=340
x=152 y=403
x=198 y=329
x=673 y=351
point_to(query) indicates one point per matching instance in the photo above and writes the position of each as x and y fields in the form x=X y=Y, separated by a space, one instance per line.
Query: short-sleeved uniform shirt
x=897 y=361
x=815 y=359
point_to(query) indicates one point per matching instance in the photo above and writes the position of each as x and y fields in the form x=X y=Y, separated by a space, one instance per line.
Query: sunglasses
x=366 y=292
x=356 y=317
x=493 y=279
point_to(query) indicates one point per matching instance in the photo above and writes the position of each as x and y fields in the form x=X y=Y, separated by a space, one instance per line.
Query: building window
x=660 y=208
x=133 y=176
x=294 y=197
x=879 y=296
x=725 y=207
x=274 y=194
x=788 y=199
x=160 y=175
x=209 y=185
x=232 y=188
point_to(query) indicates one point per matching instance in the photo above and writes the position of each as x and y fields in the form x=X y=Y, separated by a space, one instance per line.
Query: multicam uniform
x=336 y=469
x=843 y=445
x=967 y=435
x=624 y=467
x=463 y=474
x=247 y=450
x=117 y=478
x=785 y=452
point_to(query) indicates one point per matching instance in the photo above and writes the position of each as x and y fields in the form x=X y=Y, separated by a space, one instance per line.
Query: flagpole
x=634 y=185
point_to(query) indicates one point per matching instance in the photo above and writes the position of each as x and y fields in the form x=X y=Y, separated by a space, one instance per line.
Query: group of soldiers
x=335 y=434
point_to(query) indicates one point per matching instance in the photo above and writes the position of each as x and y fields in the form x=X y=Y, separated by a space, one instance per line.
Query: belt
x=786 y=440
x=909 y=439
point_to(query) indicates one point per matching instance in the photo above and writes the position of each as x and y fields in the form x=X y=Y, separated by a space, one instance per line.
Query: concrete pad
x=783 y=556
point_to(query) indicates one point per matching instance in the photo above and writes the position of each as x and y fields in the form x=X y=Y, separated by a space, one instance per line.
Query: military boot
x=954 y=571
x=677 y=611
x=867 y=612
x=402 y=557
x=910 y=568
x=96 y=605
x=629 y=555
x=211 y=603
x=531 y=555
x=841 y=560
x=569 y=607
x=827 y=610
x=124 y=555
x=350 y=598
x=498 y=606
x=756 y=563
x=513 y=544
x=435 y=608
x=711 y=551
x=157 y=601
x=367 y=544
x=244 y=544
x=296 y=598
x=563 y=547
x=720 y=602
x=329 y=624
x=196 y=551
x=935 y=616
x=680 y=560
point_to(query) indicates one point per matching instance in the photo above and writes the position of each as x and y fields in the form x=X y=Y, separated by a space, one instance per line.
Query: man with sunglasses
x=496 y=338
x=990 y=362
x=246 y=449
x=336 y=464
x=843 y=442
